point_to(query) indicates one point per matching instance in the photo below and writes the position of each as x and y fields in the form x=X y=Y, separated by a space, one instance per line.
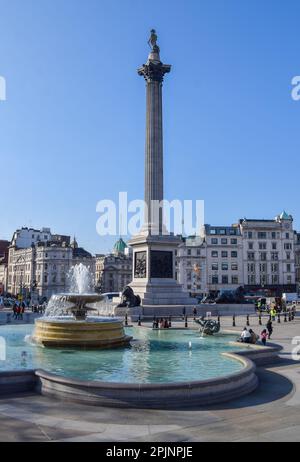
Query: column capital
x=154 y=71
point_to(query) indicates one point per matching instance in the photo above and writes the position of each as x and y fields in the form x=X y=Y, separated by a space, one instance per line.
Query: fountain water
x=56 y=329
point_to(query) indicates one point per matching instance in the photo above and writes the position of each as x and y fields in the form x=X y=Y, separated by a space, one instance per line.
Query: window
x=288 y=256
x=224 y=241
x=224 y=279
x=262 y=235
x=234 y=280
x=263 y=267
x=263 y=256
x=274 y=246
x=274 y=256
x=274 y=268
x=287 y=235
x=263 y=279
x=251 y=279
x=234 y=266
x=175 y=253
x=288 y=267
x=262 y=246
x=234 y=254
x=215 y=267
x=222 y=231
x=46 y=266
x=215 y=280
x=46 y=278
x=250 y=235
x=287 y=246
x=273 y=234
x=198 y=252
x=233 y=241
x=289 y=279
x=214 y=253
x=214 y=241
x=189 y=252
x=232 y=231
x=224 y=266
x=250 y=245
x=251 y=256
x=274 y=279
x=224 y=254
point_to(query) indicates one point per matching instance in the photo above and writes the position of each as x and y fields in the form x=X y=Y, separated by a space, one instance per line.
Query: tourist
x=264 y=337
x=254 y=337
x=245 y=336
x=161 y=323
x=19 y=310
x=273 y=313
x=166 y=324
x=15 y=310
x=269 y=326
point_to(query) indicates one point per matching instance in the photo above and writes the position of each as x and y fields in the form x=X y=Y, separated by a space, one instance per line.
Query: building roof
x=80 y=252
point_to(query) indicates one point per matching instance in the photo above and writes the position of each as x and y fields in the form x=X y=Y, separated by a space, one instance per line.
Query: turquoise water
x=154 y=357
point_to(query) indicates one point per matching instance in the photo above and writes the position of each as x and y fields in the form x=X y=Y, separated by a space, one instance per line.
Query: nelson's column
x=154 y=248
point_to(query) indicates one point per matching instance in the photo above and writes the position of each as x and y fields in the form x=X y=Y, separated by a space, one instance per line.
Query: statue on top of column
x=152 y=42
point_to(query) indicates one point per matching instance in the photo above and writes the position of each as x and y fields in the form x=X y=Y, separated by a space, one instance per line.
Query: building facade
x=224 y=257
x=190 y=265
x=4 y=246
x=269 y=254
x=297 y=260
x=40 y=270
x=254 y=253
x=114 y=271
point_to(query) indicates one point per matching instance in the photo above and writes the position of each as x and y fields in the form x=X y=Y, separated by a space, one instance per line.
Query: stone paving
x=271 y=413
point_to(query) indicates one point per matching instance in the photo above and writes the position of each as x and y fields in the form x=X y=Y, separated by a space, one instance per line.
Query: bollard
x=186 y=322
x=219 y=319
x=278 y=318
x=285 y=319
x=290 y=316
x=233 y=320
x=259 y=320
x=170 y=321
x=126 y=319
x=247 y=322
x=139 y=321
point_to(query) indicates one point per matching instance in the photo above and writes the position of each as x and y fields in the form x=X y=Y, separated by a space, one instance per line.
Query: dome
x=120 y=246
x=285 y=216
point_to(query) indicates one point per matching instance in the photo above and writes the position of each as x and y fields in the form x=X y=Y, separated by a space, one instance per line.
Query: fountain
x=66 y=322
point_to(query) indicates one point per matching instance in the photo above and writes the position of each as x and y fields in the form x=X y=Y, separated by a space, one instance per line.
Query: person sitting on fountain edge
x=254 y=337
x=245 y=336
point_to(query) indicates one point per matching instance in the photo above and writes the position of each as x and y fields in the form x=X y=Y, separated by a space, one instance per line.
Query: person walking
x=264 y=337
x=269 y=326
x=194 y=312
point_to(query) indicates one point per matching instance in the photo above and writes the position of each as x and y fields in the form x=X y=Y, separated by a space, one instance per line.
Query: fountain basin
x=57 y=333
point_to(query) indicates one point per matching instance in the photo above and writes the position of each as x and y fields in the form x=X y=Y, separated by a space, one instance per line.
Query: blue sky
x=72 y=128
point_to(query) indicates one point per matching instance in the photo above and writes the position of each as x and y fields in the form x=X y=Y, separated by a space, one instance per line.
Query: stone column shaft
x=154 y=148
